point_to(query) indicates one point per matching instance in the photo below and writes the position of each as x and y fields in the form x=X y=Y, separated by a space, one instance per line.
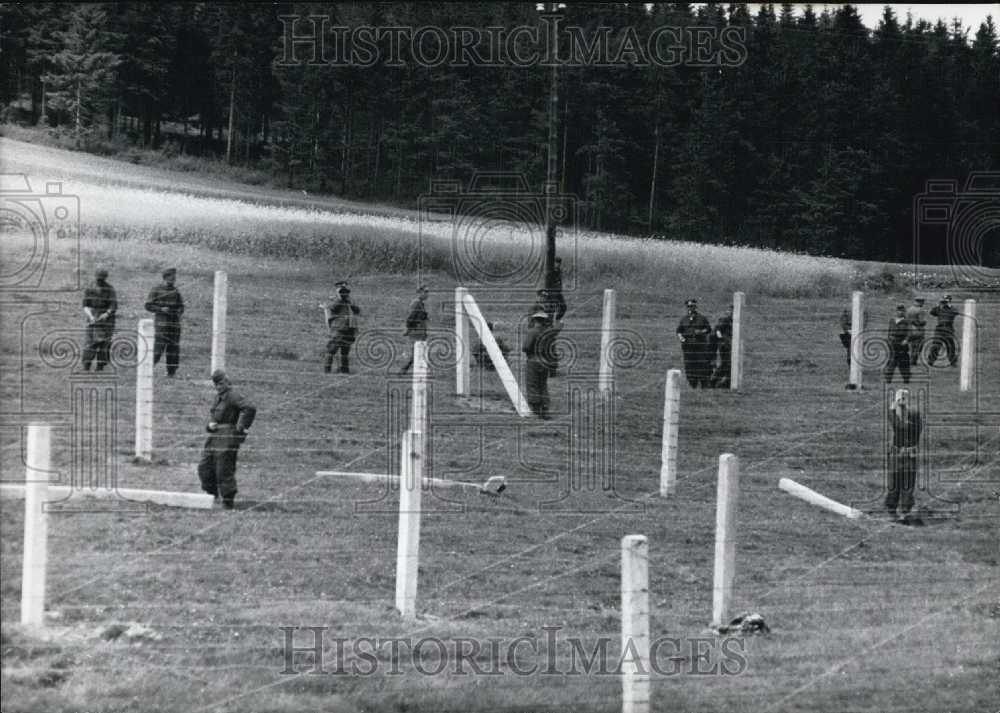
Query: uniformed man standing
x=724 y=340
x=555 y=308
x=899 y=346
x=538 y=353
x=165 y=303
x=906 y=426
x=693 y=332
x=554 y=284
x=228 y=421
x=845 y=333
x=416 y=323
x=918 y=326
x=100 y=303
x=944 y=332
x=341 y=320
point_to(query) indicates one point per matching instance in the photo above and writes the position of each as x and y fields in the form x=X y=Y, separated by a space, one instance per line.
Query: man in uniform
x=899 y=346
x=724 y=340
x=416 y=323
x=906 y=426
x=165 y=303
x=555 y=286
x=693 y=332
x=555 y=307
x=100 y=303
x=537 y=351
x=340 y=320
x=944 y=332
x=228 y=421
x=918 y=326
x=845 y=333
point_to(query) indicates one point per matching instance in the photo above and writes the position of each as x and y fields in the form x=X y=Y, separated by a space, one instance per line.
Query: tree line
x=816 y=141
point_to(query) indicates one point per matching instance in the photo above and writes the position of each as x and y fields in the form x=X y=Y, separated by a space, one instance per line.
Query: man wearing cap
x=165 y=303
x=554 y=307
x=693 y=332
x=228 y=421
x=100 y=303
x=917 y=317
x=341 y=320
x=906 y=426
x=537 y=350
x=899 y=346
x=416 y=323
x=944 y=332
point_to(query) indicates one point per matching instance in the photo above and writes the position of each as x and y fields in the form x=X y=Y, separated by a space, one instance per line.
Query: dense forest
x=817 y=142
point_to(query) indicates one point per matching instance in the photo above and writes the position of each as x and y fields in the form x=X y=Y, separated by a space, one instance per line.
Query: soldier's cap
x=423 y=288
x=101 y=273
x=342 y=287
x=558 y=260
x=218 y=376
x=691 y=303
x=900 y=307
x=170 y=271
x=540 y=315
x=918 y=299
x=947 y=298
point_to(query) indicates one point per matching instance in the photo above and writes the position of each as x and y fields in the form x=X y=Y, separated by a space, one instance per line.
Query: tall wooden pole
x=551 y=178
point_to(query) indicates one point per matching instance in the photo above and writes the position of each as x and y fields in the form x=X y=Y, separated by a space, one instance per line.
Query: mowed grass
x=866 y=616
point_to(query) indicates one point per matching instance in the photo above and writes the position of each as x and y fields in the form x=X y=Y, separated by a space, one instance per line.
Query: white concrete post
x=725 y=537
x=503 y=370
x=144 y=391
x=411 y=481
x=736 y=354
x=219 y=306
x=635 y=662
x=857 y=337
x=36 y=524
x=967 y=358
x=462 y=346
x=606 y=376
x=671 y=426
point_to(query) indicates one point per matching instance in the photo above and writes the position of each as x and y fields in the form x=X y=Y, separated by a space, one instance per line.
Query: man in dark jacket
x=554 y=285
x=100 y=304
x=554 y=307
x=899 y=346
x=724 y=340
x=340 y=319
x=906 y=426
x=165 y=303
x=228 y=421
x=944 y=332
x=918 y=326
x=537 y=350
x=416 y=323
x=693 y=332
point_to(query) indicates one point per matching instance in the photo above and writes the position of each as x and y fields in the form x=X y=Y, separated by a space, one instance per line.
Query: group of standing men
x=907 y=336
x=700 y=344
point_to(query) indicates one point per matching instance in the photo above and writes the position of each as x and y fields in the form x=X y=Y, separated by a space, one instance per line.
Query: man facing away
x=416 y=323
x=100 y=305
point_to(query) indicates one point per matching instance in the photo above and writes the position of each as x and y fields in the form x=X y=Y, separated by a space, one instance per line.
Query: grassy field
x=865 y=616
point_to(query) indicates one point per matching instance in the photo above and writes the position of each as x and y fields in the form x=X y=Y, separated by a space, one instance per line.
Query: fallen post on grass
x=814 y=498
x=967 y=357
x=462 y=350
x=195 y=501
x=605 y=377
x=219 y=306
x=144 y=391
x=857 y=339
x=635 y=664
x=494 y=485
x=36 y=524
x=671 y=427
x=503 y=370
x=725 y=537
x=736 y=349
